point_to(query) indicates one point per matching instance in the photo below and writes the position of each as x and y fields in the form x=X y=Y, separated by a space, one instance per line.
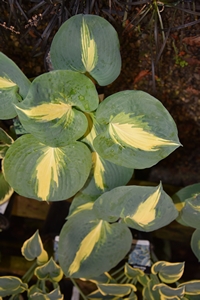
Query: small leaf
x=138 y=130
x=191 y=287
x=33 y=247
x=87 y=43
x=10 y=285
x=136 y=273
x=50 y=271
x=53 y=295
x=117 y=289
x=168 y=272
x=168 y=292
x=195 y=243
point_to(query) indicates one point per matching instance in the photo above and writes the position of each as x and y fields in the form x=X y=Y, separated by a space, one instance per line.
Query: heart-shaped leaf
x=87 y=44
x=33 y=248
x=49 y=271
x=138 y=130
x=168 y=272
x=38 y=171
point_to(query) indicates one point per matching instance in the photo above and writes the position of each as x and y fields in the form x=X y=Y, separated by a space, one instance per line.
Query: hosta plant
x=73 y=145
x=45 y=270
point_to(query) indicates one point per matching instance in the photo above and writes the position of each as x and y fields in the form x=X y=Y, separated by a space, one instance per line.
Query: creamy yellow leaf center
x=47 y=171
x=6 y=83
x=89 y=49
x=146 y=211
x=137 y=137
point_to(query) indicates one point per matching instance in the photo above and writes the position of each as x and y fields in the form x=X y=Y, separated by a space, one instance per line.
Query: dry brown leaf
x=140 y=75
x=192 y=40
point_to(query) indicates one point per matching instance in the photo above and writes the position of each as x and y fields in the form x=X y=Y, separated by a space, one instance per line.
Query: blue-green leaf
x=53 y=109
x=138 y=130
x=142 y=208
x=98 y=245
x=46 y=173
x=87 y=44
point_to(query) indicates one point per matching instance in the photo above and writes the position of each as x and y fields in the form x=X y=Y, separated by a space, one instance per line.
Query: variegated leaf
x=53 y=109
x=142 y=208
x=104 y=175
x=195 y=243
x=33 y=248
x=11 y=75
x=49 y=271
x=87 y=44
x=38 y=171
x=116 y=289
x=6 y=190
x=168 y=293
x=191 y=287
x=12 y=81
x=5 y=142
x=184 y=200
x=98 y=246
x=168 y=272
x=138 y=130
x=10 y=285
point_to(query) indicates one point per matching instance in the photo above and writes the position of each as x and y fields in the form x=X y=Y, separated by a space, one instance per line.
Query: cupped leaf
x=5 y=142
x=87 y=44
x=45 y=173
x=10 y=285
x=168 y=272
x=168 y=292
x=116 y=289
x=53 y=109
x=6 y=190
x=195 y=243
x=142 y=208
x=33 y=248
x=191 y=287
x=181 y=197
x=49 y=271
x=98 y=246
x=138 y=132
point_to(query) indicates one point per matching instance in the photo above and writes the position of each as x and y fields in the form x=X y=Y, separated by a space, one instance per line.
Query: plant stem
x=76 y=285
x=29 y=274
